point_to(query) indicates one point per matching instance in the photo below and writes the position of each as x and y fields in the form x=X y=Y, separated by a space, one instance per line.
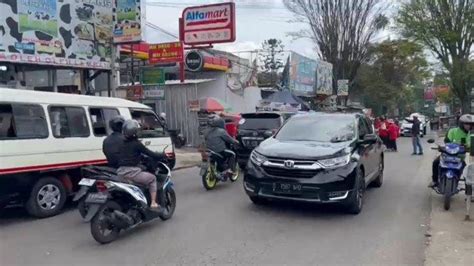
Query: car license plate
x=286 y=188
x=96 y=198
x=86 y=182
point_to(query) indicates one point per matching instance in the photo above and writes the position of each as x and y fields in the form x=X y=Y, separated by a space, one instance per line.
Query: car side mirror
x=369 y=139
x=268 y=133
x=431 y=141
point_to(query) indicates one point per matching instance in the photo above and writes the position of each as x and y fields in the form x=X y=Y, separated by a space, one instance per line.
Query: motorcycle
x=113 y=205
x=211 y=173
x=451 y=167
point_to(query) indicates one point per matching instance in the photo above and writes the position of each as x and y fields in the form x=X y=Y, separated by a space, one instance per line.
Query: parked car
x=253 y=129
x=45 y=139
x=407 y=124
x=321 y=158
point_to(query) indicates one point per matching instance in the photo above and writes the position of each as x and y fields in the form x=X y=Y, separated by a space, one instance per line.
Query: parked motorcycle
x=210 y=171
x=113 y=205
x=451 y=167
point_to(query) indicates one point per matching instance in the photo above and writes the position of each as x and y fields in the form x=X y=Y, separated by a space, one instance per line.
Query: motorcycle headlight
x=257 y=158
x=335 y=162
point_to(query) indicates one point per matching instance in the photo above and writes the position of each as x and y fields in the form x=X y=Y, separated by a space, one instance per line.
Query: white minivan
x=45 y=139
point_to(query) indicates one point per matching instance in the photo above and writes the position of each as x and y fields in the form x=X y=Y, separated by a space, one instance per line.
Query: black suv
x=321 y=157
x=253 y=129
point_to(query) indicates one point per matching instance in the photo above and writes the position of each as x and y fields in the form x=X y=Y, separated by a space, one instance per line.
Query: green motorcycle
x=210 y=173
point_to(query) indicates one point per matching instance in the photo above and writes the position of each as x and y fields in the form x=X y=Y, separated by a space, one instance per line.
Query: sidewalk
x=451 y=238
x=186 y=158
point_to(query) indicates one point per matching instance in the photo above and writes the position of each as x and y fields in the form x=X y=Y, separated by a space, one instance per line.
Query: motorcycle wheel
x=102 y=229
x=82 y=208
x=170 y=204
x=209 y=180
x=447 y=194
x=236 y=174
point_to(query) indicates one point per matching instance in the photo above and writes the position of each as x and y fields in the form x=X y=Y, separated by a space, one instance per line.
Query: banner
x=155 y=92
x=162 y=53
x=310 y=77
x=343 y=87
x=152 y=75
x=323 y=78
x=128 y=21
x=71 y=33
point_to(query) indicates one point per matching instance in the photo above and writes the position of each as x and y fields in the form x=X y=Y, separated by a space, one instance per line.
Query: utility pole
x=113 y=69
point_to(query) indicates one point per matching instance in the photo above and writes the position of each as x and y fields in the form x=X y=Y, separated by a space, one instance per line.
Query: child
x=393 y=134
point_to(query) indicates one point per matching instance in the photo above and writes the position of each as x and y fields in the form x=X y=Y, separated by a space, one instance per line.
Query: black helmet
x=130 y=129
x=116 y=123
x=217 y=121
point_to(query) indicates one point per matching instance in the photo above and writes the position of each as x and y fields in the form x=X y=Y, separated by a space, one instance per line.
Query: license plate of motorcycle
x=86 y=182
x=286 y=188
x=96 y=198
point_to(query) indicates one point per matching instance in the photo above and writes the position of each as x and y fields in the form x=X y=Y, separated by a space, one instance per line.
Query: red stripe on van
x=49 y=167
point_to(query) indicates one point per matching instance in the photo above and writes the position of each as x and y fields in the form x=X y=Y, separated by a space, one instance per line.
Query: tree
x=446 y=27
x=394 y=77
x=340 y=29
x=272 y=60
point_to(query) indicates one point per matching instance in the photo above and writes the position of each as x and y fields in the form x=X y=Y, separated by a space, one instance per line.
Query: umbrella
x=211 y=104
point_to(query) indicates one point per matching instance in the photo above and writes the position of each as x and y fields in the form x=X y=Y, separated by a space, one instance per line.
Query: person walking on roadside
x=415 y=137
x=383 y=131
x=393 y=134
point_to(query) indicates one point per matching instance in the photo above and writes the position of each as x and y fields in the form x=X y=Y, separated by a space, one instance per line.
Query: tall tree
x=394 y=78
x=340 y=29
x=446 y=27
x=272 y=60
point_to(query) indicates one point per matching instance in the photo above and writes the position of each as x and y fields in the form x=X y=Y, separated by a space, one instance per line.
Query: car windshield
x=331 y=128
x=260 y=121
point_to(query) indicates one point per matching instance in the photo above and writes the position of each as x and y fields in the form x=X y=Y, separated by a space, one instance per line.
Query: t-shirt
x=456 y=135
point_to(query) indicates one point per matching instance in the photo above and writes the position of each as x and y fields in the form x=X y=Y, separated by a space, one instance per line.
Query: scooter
x=211 y=173
x=451 y=167
x=113 y=205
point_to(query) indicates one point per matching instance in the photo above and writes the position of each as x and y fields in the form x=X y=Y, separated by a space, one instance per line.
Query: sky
x=257 y=20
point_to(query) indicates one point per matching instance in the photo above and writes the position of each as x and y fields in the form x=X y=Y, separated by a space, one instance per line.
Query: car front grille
x=290 y=173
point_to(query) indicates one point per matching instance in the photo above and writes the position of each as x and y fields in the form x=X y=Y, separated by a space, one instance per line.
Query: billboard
x=163 y=53
x=310 y=77
x=128 y=21
x=208 y=24
x=69 y=33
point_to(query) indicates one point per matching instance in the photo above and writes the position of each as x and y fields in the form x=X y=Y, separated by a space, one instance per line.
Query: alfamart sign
x=208 y=24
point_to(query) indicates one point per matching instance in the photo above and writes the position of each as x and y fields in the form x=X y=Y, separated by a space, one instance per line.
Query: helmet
x=130 y=128
x=466 y=119
x=116 y=123
x=217 y=121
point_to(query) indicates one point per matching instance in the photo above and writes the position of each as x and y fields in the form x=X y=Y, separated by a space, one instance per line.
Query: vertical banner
x=128 y=18
x=343 y=87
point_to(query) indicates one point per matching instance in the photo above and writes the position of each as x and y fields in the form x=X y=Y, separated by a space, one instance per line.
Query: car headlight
x=257 y=158
x=335 y=162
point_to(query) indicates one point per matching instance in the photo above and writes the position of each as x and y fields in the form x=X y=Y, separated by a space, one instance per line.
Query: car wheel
x=379 y=180
x=47 y=198
x=355 y=201
x=257 y=200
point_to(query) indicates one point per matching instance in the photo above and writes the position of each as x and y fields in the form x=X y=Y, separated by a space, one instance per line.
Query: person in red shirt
x=383 y=131
x=393 y=134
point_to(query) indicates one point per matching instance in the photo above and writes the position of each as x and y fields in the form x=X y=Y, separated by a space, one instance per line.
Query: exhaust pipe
x=122 y=220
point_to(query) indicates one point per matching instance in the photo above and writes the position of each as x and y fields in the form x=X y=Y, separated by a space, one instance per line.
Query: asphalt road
x=224 y=227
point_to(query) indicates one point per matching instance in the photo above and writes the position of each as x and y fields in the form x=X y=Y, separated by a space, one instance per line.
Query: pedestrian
x=393 y=134
x=383 y=131
x=415 y=137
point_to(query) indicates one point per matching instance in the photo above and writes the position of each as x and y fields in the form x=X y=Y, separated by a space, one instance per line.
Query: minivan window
x=260 y=121
x=319 y=128
x=22 y=121
x=151 y=126
x=100 y=118
x=68 y=122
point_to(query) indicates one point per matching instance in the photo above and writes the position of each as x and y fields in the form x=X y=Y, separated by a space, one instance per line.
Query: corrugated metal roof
x=188 y=81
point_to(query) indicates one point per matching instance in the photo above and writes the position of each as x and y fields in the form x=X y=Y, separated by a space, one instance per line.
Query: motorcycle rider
x=459 y=135
x=217 y=140
x=112 y=143
x=130 y=157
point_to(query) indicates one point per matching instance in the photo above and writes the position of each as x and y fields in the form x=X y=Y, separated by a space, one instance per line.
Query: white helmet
x=467 y=119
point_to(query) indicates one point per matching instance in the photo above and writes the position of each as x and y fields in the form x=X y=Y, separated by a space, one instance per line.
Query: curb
x=185 y=167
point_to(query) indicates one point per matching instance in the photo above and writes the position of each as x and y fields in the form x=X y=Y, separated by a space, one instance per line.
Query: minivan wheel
x=355 y=201
x=379 y=180
x=47 y=198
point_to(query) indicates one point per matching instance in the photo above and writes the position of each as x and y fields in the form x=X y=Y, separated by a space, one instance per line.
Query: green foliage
x=272 y=61
x=393 y=78
x=446 y=27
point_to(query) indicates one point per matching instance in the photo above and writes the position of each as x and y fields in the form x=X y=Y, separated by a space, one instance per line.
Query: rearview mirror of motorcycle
x=431 y=141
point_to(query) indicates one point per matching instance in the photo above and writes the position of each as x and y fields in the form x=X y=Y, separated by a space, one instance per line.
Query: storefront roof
x=188 y=81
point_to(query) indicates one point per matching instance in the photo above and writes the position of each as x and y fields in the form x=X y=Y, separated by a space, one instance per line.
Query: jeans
x=417 y=144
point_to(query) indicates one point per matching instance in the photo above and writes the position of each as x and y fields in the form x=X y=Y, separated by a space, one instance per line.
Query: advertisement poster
x=70 y=33
x=128 y=21
x=152 y=75
x=163 y=53
x=343 y=87
x=310 y=77
x=155 y=92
